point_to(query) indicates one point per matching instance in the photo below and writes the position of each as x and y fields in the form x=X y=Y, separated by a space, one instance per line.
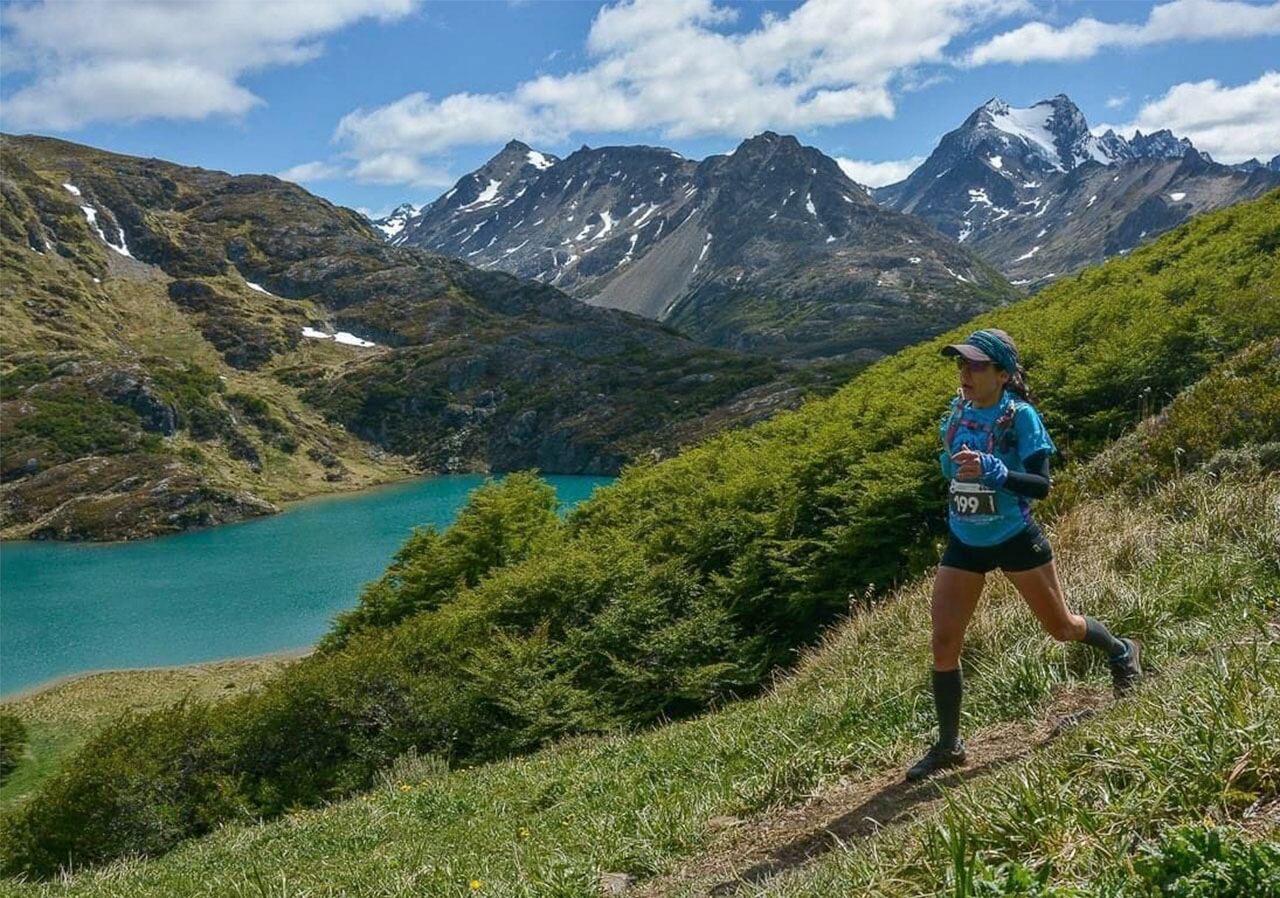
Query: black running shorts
x=1021 y=552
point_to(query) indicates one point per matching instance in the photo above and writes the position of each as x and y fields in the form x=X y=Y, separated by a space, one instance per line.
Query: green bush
x=259 y=413
x=1223 y=420
x=150 y=782
x=13 y=742
x=72 y=424
x=1208 y=862
x=189 y=390
x=501 y=523
x=687 y=582
x=24 y=375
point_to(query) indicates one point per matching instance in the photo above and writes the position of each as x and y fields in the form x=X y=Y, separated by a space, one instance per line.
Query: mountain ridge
x=1037 y=194
x=770 y=248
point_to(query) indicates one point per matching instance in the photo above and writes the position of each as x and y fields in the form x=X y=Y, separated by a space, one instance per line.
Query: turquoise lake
x=241 y=589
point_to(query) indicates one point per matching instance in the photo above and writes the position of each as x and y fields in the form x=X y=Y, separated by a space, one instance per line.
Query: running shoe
x=1126 y=671
x=939 y=757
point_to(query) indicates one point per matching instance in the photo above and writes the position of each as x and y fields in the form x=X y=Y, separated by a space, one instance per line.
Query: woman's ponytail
x=1018 y=385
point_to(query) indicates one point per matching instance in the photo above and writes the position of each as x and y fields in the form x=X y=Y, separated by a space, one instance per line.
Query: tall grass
x=1153 y=799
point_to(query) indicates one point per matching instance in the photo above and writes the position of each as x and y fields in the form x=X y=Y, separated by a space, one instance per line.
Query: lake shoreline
x=284 y=505
x=223 y=592
x=28 y=692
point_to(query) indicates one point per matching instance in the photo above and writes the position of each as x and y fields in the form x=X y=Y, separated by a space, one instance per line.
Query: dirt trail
x=752 y=851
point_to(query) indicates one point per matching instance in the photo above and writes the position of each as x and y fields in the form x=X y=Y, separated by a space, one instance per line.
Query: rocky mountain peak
x=392 y=224
x=769 y=140
x=1032 y=187
x=1159 y=145
x=1054 y=131
x=644 y=229
x=994 y=106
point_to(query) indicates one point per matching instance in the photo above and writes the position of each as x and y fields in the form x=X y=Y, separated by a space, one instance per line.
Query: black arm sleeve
x=1034 y=484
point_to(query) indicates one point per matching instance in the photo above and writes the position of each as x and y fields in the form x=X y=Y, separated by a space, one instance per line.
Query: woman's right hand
x=968 y=464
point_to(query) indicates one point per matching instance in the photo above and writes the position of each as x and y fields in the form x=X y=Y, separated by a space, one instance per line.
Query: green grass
x=1150 y=800
x=48 y=745
x=1180 y=570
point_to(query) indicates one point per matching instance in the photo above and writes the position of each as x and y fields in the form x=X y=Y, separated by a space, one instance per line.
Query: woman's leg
x=1040 y=589
x=955 y=595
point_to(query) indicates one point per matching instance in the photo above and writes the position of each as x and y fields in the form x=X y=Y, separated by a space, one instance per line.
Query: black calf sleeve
x=947 y=686
x=1098 y=636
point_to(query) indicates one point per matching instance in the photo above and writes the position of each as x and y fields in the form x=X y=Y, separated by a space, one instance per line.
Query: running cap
x=989 y=345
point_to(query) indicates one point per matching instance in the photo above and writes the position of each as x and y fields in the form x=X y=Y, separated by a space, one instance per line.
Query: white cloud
x=878 y=174
x=127 y=60
x=399 y=168
x=671 y=66
x=1232 y=124
x=1116 y=102
x=125 y=91
x=306 y=172
x=1180 y=20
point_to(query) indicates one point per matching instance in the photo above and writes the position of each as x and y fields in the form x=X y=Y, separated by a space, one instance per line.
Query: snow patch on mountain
x=1030 y=125
x=344 y=337
x=487 y=195
x=608 y=225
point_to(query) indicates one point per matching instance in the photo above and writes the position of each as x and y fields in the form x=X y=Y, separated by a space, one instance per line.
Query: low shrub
x=501 y=524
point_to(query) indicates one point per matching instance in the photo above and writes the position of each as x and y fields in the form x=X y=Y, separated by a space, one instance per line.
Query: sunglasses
x=962 y=363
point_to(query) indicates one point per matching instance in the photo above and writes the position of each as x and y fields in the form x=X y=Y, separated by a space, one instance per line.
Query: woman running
x=996 y=454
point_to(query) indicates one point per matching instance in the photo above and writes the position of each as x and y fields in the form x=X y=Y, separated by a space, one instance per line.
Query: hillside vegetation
x=687 y=582
x=1184 y=778
x=156 y=375
x=128 y=408
x=61 y=717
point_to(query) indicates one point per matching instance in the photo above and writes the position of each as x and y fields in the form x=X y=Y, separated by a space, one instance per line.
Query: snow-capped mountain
x=771 y=247
x=392 y=224
x=1034 y=192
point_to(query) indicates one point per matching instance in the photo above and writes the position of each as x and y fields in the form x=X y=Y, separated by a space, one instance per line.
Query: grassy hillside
x=129 y=409
x=683 y=585
x=1189 y=568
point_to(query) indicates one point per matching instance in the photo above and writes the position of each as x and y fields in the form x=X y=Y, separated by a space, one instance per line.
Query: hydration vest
x=1001 y=437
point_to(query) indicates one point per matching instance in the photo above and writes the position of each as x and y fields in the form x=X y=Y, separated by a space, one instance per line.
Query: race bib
x=972 y=498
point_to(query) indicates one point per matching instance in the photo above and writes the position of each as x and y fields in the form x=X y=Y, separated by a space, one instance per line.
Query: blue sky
x=374 y=102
